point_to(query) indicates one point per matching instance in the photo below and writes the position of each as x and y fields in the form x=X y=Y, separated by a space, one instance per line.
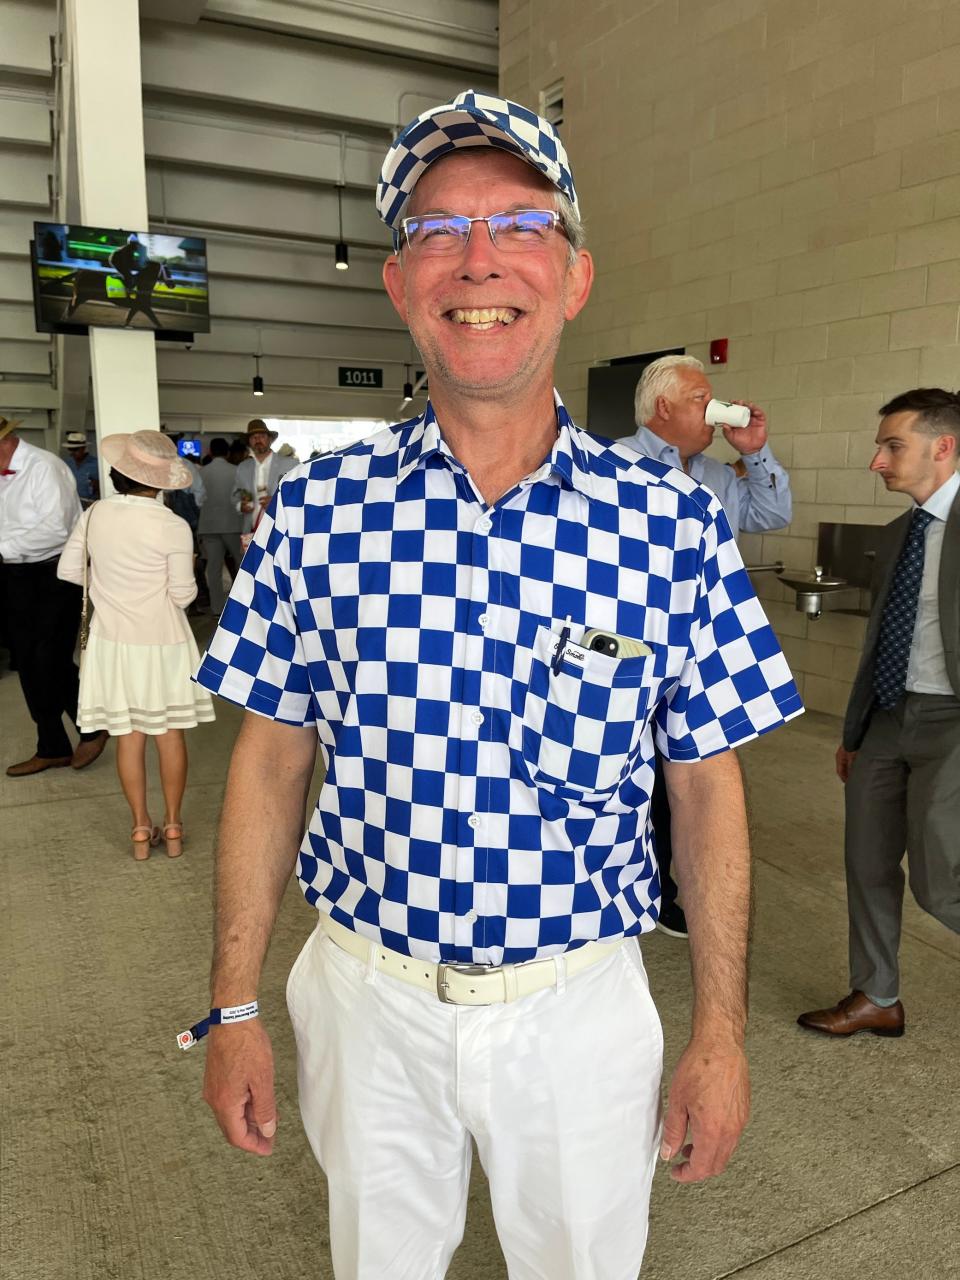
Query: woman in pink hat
x=135 y=673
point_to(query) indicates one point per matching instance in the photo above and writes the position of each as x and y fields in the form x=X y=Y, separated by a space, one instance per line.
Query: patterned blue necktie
x=900 y=615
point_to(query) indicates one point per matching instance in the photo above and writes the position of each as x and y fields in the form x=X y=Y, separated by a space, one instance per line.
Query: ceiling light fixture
x=342 y=252
x=257 y=380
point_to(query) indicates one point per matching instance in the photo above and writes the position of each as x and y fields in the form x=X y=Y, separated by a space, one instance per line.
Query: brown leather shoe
x=854 y=1013
x=37 y=764
x=88 y=751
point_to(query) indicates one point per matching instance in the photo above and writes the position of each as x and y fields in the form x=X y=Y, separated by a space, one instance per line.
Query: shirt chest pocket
x=582 y=724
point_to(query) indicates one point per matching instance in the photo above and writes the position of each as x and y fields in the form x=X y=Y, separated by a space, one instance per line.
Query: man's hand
x=845 y=761
x=710 y=1095
x=752 y=437
x=238 y=1085
x=246 y=506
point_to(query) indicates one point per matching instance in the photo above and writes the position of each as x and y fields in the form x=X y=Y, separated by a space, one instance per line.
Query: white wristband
x=238 y=1013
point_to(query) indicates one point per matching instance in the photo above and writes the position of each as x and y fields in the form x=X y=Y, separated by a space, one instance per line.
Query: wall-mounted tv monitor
x=93 y=276
x=190 y=447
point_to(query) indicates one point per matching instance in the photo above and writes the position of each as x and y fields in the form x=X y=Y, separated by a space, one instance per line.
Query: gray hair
x=659 y=379
x=572 y=225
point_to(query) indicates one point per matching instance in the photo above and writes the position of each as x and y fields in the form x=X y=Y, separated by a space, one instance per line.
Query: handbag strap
x=85 y=606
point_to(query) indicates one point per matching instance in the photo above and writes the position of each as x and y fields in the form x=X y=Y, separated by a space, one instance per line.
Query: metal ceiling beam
x=281 y=72
x=457 y=33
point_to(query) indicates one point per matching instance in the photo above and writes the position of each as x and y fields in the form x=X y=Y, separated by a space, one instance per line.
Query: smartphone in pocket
x=615 y=646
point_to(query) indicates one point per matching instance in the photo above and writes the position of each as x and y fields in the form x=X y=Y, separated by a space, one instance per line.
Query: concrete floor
x=110 y=1166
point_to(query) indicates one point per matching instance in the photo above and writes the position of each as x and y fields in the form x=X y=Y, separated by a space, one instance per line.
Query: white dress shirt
x=927 y=668
x=263 y=476
x=39 y=506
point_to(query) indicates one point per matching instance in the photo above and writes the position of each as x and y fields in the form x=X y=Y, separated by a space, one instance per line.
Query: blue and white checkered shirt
x=480 y=806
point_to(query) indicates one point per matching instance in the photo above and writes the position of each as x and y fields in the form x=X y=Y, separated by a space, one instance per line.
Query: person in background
x=671 y=399
x=85 y=468
x=187 y=504
x=900 y=754
x=39 y=507
x=257 y=477
x=669 y=410
x=239 y=450
x=135 y=678
x=220 y=522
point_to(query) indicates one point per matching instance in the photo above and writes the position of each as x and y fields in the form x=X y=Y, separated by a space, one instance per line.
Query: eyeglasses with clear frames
x=520 y=231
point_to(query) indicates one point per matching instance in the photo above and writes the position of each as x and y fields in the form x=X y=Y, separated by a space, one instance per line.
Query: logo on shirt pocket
x=582 y=723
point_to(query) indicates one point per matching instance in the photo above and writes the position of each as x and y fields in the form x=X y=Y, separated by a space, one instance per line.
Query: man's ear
x=945 y=446
x=579 y=284
x=664 y=408
x=395 y=285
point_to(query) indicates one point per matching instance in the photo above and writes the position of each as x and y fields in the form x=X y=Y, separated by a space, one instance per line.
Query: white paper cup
x=721 y=413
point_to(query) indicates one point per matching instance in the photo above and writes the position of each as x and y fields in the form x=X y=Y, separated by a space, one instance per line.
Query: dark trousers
x=660 y=817
x=903 y=794
x=42 y=616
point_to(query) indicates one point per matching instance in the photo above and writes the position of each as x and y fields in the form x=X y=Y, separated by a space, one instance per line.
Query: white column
x=104 y=53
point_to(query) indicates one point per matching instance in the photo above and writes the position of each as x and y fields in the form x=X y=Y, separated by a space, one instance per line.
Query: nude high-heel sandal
x=144 y=839
x=173 y=835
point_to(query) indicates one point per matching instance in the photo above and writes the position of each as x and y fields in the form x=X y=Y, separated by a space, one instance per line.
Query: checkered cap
x=471 y=120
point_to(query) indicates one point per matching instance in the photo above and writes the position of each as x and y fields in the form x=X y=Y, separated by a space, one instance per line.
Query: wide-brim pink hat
x=148 y=457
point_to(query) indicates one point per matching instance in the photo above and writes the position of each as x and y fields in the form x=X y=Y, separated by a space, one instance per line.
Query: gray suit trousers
x=215 y=546
x=903 y=793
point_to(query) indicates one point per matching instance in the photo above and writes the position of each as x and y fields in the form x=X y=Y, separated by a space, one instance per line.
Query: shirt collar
x=424 y=441
x=654 y=446
x=568 y=460
x=941 y=500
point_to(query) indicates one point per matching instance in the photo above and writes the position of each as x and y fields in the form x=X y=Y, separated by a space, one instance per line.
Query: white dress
x=135 y=672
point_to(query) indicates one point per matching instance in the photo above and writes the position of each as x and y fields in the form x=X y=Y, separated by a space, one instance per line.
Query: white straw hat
x=148 y=457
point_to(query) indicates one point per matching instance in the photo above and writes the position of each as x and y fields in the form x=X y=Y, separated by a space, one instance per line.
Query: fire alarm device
x=718 y=351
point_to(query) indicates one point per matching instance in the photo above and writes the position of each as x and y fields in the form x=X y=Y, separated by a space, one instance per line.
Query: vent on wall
x=551 y=104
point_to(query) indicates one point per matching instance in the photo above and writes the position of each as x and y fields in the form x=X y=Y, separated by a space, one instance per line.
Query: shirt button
x=484 y=619
x=471 y=917
x=484 y=525
x=476 y=717
x=473 y=821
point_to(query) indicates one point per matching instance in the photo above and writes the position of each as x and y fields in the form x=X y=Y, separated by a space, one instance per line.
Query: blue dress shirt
x=757 y=503
x=86 y=473
x=486 y=799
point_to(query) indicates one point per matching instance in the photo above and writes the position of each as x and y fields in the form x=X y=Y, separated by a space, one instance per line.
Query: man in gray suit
x=900 y=756
x=219 y=525
x=258 y=477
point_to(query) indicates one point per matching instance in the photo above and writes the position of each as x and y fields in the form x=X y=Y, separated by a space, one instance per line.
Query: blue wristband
x=216 y=1018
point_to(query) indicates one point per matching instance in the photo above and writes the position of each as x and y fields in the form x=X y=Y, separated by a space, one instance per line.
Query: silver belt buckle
x=468 y=970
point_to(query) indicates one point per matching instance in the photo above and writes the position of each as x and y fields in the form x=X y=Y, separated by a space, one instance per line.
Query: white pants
x=561 y=1091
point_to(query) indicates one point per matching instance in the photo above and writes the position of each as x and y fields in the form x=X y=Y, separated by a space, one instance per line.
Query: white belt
x=468 y=983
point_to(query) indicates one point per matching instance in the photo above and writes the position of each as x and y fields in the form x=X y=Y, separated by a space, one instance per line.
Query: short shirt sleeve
x=735 y=683
x=256 y=656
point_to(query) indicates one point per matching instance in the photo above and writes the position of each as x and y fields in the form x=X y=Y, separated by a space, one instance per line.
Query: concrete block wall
x=785 y=174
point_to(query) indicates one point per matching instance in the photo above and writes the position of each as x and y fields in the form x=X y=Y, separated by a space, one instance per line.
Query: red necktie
x=8 y=472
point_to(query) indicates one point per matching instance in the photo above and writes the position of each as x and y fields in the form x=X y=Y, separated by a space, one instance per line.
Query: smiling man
x=486 y=617
x=900 y=755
